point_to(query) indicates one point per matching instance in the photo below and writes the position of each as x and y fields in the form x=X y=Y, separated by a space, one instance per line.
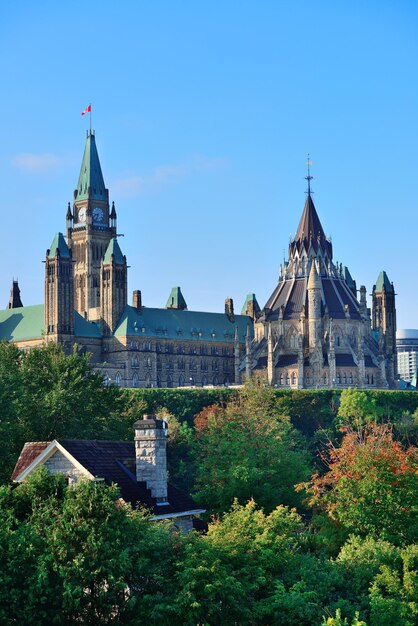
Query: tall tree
x=246 y=450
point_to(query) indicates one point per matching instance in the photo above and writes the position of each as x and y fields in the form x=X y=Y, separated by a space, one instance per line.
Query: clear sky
x=204 y=112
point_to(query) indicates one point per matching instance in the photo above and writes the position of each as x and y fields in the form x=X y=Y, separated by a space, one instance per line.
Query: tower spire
x=309 y=177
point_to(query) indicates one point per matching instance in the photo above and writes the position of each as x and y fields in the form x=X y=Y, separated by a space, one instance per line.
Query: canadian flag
x=86 y=110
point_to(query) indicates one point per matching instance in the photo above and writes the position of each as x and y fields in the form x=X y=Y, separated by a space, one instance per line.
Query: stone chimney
x=151 y=455
x=229 y=309
x=137 y=300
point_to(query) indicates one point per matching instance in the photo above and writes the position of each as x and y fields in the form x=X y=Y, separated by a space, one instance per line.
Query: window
x=281 y=379
x=344 y=378
x=204 y=381
x=169 y=381
x=350 y=378
x=118 y=379
x=294 y=378
x=338 y=379
x=181 y=380
x=287 y=379
x=135 y=380
x=215 y=380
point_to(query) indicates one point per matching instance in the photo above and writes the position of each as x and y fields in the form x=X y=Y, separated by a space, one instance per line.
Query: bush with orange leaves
x=371 y=486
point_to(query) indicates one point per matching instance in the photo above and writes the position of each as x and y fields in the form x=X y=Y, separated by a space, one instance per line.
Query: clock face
x=98 y=214
x=82 y=215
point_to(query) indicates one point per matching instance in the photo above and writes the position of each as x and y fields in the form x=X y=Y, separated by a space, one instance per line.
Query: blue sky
x=204 y=113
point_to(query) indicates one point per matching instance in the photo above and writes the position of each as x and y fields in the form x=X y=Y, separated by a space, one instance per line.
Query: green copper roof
x=59 y=243
x=182 y=325
x=250 y=298
x=347 y=277
x=176 y=300
x=114 y=248
x=27 y=323
x=383 y=281
x=91 y=177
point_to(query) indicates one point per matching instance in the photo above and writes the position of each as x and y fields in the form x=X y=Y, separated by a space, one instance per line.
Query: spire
x=113 y=212
x=69 y=214
x=14 y=301
x=176 y=300
x=90 y=182
x=310 y=226
x=309 y=177
x=314 y=281
x=114 y=249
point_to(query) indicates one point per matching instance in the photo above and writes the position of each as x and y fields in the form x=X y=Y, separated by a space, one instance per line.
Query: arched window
x=294 y=378
x=204 y=381
x=148 y=382
x=350 y=378
x=281 y=379
x=135 y=380
x=169 y=381
x=118 y=379
x=344 y=378
x=325 y=379
x=287 y=379
x=367 y=379
x=181 y=380
x=372 y=380
x=338 y=379
x=158 y=381
x=215 y=380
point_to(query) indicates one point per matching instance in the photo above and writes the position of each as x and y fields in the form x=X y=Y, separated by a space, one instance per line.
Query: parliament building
x=313 y=331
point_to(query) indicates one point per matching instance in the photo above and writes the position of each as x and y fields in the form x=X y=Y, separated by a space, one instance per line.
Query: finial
x=309 y=177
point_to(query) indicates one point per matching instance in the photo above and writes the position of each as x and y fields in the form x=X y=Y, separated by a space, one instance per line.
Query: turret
x=113 y=286
x=59 y=290
x=314 y=308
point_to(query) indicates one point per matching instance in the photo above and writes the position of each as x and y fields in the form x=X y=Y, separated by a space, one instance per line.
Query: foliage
x=46 y=394
x=76 y=555
x=230 y=576
x=339 y=621
x=357 y=408
x=246 y=450
x=371 y=485
x=394 y=592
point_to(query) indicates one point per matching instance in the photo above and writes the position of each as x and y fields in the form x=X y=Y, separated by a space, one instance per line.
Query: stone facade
x=59 y=464
x=313 y=332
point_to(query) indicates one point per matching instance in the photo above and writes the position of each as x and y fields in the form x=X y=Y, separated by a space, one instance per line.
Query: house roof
x=182 y=324
x=114 y=461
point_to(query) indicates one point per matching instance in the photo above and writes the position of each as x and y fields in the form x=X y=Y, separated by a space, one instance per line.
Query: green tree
x=230 y=575
x=394 y=592
x=245 y=451
x=357 y=408
x=79 y=555
x=45 y=394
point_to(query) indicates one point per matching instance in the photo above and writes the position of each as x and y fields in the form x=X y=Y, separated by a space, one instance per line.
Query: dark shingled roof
x=287 y=359
x=344 y=359
x=114 y=461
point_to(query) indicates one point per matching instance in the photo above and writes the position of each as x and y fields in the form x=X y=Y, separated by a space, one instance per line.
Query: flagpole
x=90 y=117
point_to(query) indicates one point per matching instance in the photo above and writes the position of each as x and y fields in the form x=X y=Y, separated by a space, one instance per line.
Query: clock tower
x=91 y=224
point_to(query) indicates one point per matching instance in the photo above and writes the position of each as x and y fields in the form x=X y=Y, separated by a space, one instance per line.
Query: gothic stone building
x=312 y=332
x=86 y=303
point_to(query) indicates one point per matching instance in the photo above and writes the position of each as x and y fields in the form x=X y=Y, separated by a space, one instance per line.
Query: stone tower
x=314 y=308
x=90 y=227
x=384 y=318
x=59 y=291
x=14 y=301
x=113 y=286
